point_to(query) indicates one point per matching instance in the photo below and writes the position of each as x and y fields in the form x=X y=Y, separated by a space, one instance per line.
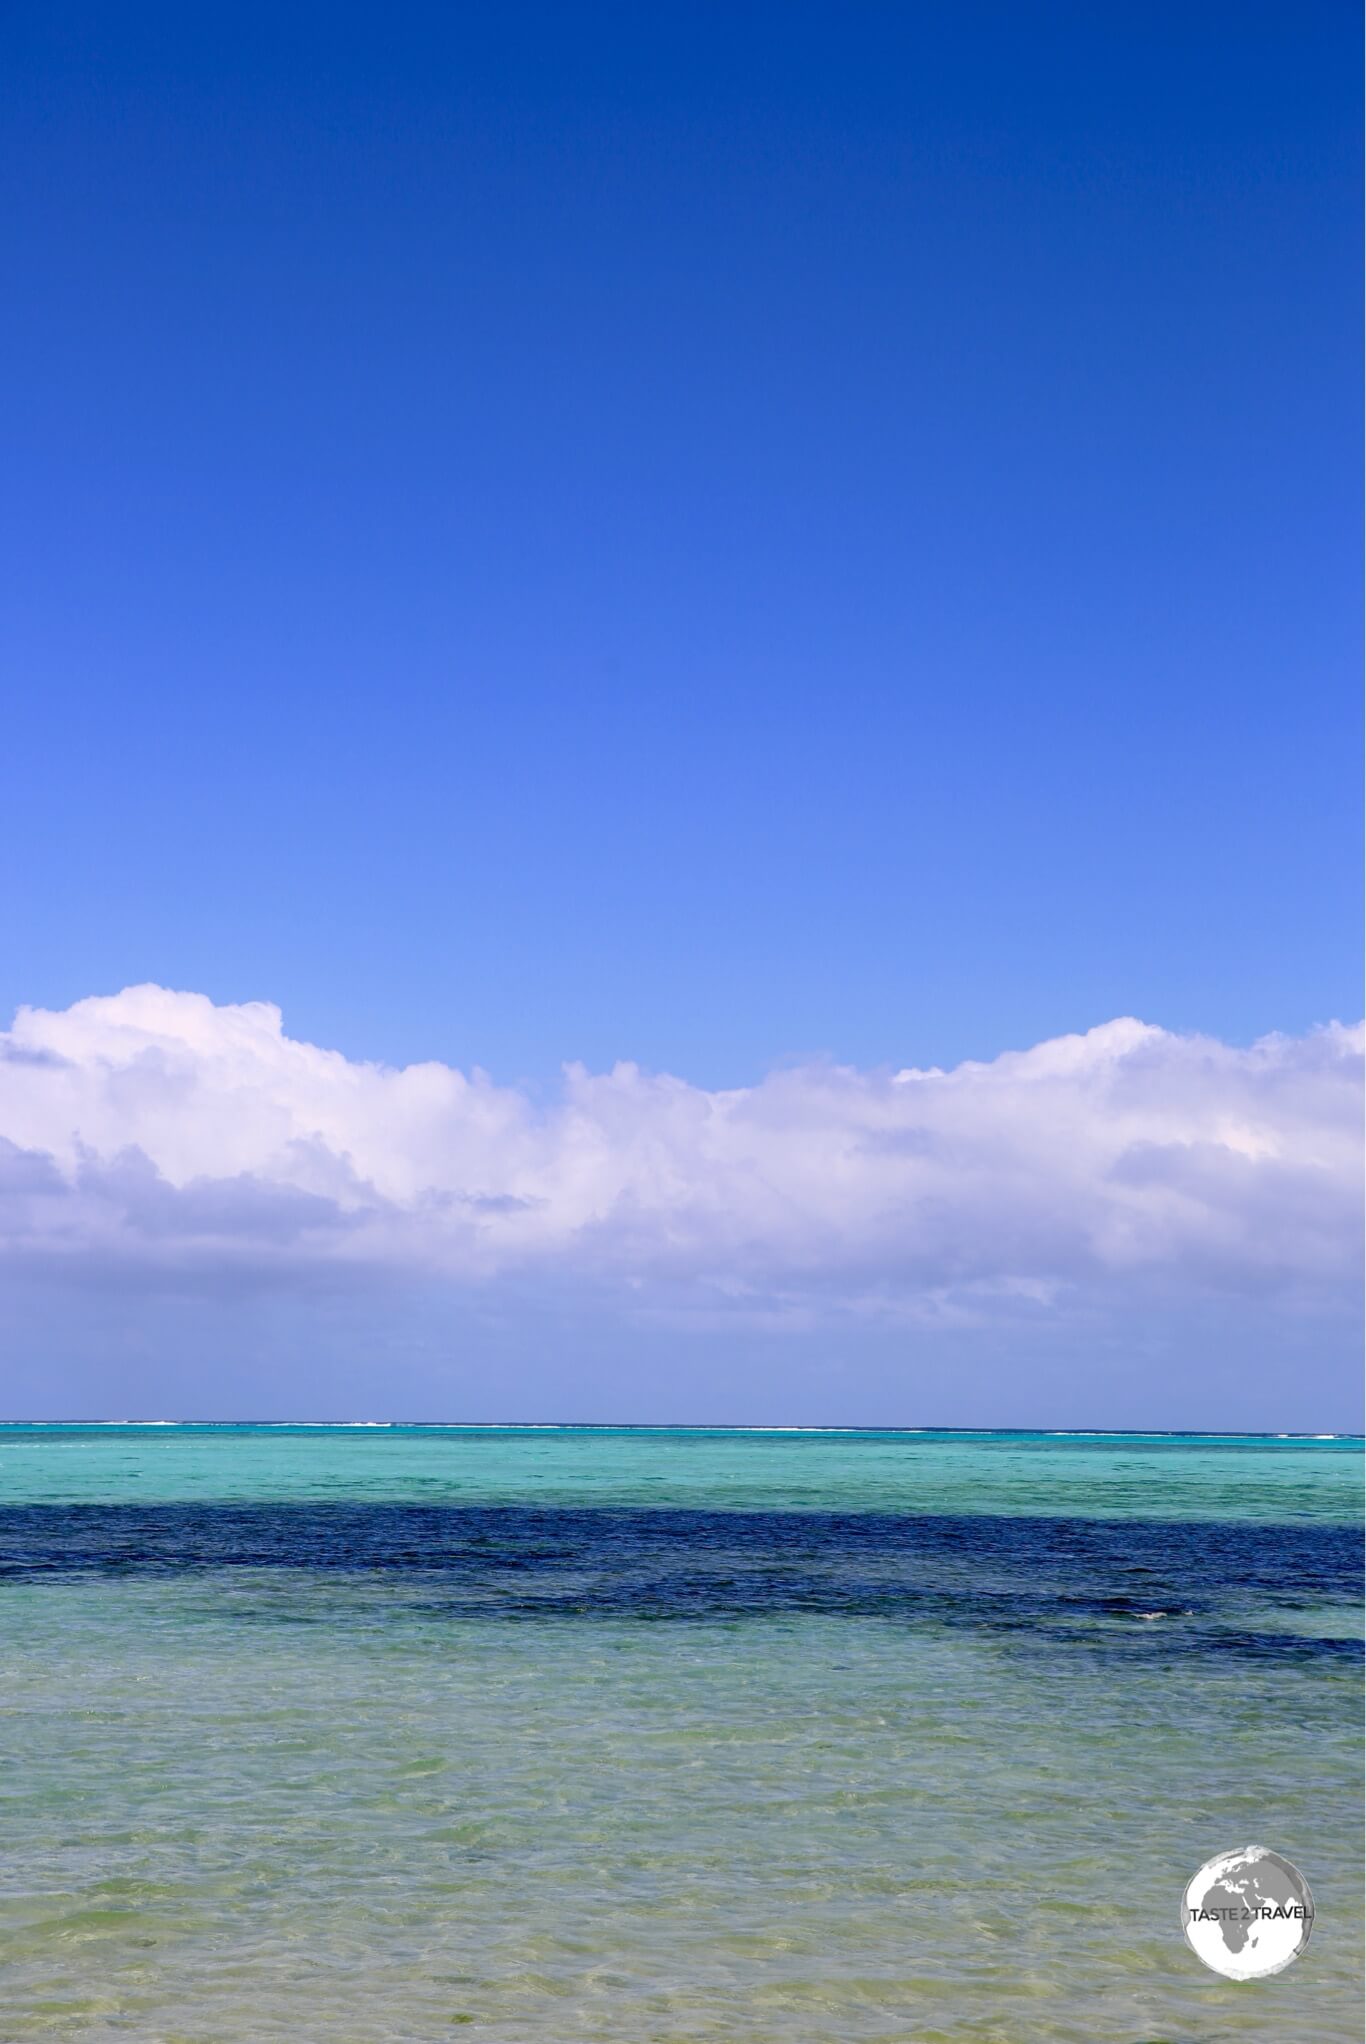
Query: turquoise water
x=379 y=1734
x=1237 y=1476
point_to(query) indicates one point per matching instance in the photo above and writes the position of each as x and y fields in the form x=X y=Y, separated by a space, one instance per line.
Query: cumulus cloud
x=156 y=1131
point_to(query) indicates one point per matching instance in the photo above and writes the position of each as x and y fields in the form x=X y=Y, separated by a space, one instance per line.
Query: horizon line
x=712 y=1427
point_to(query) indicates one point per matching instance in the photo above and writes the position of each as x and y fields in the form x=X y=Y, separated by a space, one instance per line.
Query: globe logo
x=1247 y=1913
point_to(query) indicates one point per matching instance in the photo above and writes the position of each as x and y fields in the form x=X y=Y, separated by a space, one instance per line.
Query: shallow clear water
x=369 y=1734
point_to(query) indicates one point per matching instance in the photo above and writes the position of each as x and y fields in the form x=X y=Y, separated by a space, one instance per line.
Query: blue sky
x=719 y=537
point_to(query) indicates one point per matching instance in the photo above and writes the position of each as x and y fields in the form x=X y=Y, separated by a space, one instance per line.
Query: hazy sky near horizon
x=775 y=547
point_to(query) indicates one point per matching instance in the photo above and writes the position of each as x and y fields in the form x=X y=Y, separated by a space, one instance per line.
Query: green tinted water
x=307 y=1803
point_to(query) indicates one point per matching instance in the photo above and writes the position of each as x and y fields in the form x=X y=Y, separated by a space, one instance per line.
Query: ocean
x=541 y=1734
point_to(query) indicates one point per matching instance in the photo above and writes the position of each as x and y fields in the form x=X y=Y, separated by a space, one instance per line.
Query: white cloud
x=154 y=1131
